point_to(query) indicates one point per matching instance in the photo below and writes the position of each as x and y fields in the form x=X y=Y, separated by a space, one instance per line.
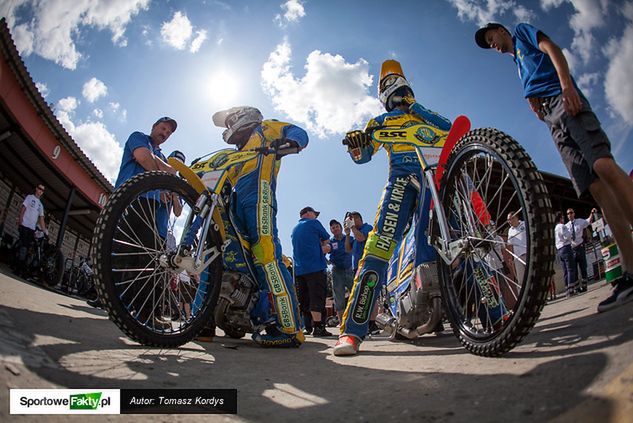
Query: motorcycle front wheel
x=495 y=290
x=134 y=242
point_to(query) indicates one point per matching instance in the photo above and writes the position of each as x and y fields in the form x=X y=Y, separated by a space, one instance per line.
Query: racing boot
x=206 y=335
x=274 y=338
x=346 y=345
x=320 y=330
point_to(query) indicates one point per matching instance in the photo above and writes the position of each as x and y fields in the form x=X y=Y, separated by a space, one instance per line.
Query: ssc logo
x=427 y=136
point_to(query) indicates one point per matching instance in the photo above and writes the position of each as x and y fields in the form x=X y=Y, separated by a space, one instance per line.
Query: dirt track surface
x=576 y=365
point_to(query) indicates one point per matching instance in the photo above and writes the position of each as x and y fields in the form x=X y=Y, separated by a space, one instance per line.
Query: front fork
x=200 y=217
x=447 y=250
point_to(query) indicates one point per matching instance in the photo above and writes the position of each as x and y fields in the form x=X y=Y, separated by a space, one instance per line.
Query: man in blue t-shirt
x=342 y=274
x=584 y=147
x=355 y=244
x=142 y=153
x=310 y=243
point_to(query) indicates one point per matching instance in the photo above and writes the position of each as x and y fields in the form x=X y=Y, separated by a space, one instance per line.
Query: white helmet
x=239 y=121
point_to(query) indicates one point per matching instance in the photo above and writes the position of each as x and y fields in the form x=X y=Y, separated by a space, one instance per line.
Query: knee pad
x=380 y=246
x=264 y=250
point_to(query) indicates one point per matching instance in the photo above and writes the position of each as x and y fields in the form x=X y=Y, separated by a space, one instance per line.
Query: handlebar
x=279 y=149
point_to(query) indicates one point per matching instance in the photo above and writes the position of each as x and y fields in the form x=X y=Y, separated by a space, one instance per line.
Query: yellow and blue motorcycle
x=163 y=289
x=475 y=178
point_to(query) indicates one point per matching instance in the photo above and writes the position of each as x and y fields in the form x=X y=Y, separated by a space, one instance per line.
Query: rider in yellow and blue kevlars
x=254 y=211
x=400 y=200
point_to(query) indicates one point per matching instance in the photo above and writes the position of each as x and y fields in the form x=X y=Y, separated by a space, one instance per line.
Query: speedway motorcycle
x=138 y=272
x=475 y=178
x=480 y=178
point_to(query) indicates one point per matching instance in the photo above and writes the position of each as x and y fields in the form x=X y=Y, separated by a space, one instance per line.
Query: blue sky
x=109 y=68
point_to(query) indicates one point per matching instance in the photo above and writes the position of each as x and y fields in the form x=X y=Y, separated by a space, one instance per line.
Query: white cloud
x=42 y=88
x=294 y=11
x=98 y=113
x=100 y=146
x=67 y=104
x=551 y=4
x=177 y=32
x=618 y=85
x=197 y=42
x=118 y=111
x=50 y=30
x=587 y=81
x=24 y=39
x=572 y=60
x=590 y=14
x=331 y=98
x=93 y=138
x=523 y=14
x=627 y=11
x=482 y=12
x=94 y=89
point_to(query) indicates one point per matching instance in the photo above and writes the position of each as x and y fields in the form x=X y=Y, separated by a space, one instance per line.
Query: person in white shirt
x=576 y=228
x=562 y=237
x=516 y=246
x=31 y=214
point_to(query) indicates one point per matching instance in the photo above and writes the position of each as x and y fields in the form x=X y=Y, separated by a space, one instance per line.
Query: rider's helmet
x=179 y=155
x=393 y=86
x=239 y=121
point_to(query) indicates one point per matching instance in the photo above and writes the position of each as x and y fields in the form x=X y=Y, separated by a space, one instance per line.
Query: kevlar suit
x=253 y=210
x=401 y=200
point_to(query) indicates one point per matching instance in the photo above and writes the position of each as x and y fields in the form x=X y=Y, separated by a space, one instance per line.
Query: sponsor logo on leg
x=363 y=304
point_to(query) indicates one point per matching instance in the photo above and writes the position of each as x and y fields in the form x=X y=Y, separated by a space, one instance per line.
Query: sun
x=223 y=88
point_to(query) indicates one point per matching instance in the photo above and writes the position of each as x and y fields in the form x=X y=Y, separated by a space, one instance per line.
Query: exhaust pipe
x=427 y=327
x=386 y=322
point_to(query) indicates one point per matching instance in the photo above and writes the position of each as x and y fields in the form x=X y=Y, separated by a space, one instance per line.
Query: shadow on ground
x=308 y=385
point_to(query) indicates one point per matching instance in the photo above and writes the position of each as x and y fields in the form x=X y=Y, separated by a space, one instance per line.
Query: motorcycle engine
x=238 y=295
x=413 y=308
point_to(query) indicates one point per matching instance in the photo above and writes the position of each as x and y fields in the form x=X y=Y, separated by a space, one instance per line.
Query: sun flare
x=224 y=88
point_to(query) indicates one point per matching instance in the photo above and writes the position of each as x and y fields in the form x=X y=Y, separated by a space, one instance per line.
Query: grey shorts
x=580 y=140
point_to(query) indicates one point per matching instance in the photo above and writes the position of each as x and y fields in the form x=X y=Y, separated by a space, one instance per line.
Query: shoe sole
x=345 y=350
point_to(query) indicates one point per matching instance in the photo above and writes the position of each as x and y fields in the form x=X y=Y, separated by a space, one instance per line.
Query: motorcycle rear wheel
x=488 y=176
x=132 y=275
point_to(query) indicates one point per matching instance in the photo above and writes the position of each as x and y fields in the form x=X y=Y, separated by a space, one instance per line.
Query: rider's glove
x=357 y=139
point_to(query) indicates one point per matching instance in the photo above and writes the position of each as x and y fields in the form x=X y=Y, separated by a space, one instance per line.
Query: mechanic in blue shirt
x=584 y=147
x=342 y=274
x=310 y=243
x=142 y=153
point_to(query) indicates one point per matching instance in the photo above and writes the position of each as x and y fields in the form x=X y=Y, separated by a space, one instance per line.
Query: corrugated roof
x=14 y=60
